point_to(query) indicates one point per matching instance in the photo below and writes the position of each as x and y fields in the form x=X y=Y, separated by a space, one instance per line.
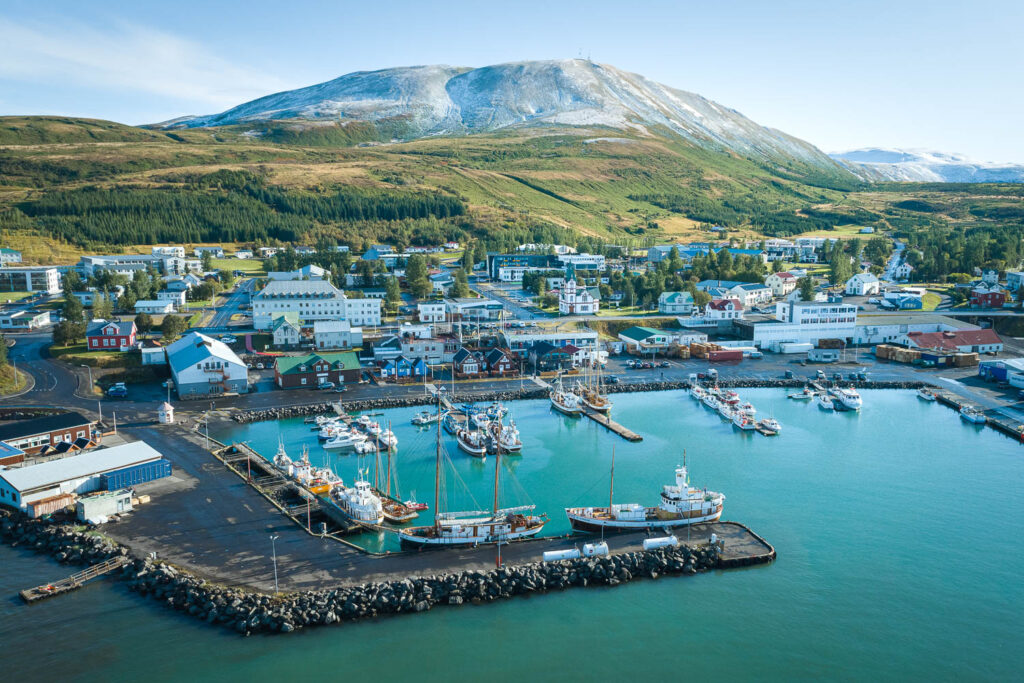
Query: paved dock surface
x=215 y=525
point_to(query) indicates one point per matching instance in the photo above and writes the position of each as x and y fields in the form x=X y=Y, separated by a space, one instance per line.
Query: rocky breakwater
x=248 y=612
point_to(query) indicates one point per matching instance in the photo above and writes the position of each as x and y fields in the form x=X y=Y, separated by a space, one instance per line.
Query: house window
x=302 y=380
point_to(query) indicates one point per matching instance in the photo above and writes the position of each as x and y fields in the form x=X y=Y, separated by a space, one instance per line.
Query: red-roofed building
x=781 y=283
x=963 y=341
x=987 y=297
x=724 y=309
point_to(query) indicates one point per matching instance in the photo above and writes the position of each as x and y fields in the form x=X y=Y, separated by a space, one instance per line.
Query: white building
x=675 y=303
x=336 y=334
x=203 y=367
x=313 y=300
x=863 y=284
x=176 y=298
x=751 y=293
x=903 y=271
x=583 y=261
x=308 y=272
x=46 y=279
x=215 y=251
x=76 y=474
x=169 y=251
x=781 y=283
x=801 y=322
x=24 y=320
x=154 y=306
x=244 y=254
x=574 y=300
x=286 y=330
x=887 y=328
x=430 y=311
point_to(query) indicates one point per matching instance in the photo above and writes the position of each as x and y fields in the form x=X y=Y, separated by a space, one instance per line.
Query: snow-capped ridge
x=921 y=165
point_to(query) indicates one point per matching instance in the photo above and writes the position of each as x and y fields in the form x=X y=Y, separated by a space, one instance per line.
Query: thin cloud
x=128 y=57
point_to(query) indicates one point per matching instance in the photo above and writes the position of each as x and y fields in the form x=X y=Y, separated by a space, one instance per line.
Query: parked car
x=663 y=364
x=340 y=389
x=648 y=365
x=259 y=366
x=789 y=374
x=118 y=390
x=228 y=339
x=326 y=385
x=611 y=379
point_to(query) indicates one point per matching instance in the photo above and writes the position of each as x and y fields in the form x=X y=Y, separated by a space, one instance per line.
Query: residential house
x=377 y=252
x=500 y=363
x=1014 y=281
x=903 y=271
x=963 y=341
x=303 y=250
x=451 y=246
x=863 y=284
x=781 y=283
x=115 y=334
x=987 y=296
x=387 y=348
x=204 y=367
x=312 y=300
x=267 y=252
x=522 y=343
x=9 y=256
x=442 y=282
x=168 y=250
x=214 y=251
x=315 y=369
x=428 y=349
x=286 y=329
x=404 y=369
x=152 y=352
x=336 y=334
x=431 y=311
x=175 y=297
x=244 y=254
x=751 y=293
x=675 y=303
x=467 y=364
x=154 y=306
x=574 y=300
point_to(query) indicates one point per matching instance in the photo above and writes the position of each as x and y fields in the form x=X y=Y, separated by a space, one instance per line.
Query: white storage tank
x=662 y=542
x=556 y=555
x=595 y=549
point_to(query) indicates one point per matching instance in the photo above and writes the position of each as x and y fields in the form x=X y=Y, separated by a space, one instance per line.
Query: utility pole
x=90 y=376
x=273 y=548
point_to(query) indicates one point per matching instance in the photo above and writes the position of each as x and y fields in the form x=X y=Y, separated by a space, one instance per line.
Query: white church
x=574 y=300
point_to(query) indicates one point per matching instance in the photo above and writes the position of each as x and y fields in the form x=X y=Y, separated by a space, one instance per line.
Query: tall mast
x=437 y=466
x=611 y=487
x=497 y=467
x=389 y=462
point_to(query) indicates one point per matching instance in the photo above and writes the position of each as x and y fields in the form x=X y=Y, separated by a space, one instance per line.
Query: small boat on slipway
x=973 y=414
x=925 y=394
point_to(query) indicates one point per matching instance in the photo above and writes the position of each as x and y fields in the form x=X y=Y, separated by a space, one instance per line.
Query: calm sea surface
x=897 y=529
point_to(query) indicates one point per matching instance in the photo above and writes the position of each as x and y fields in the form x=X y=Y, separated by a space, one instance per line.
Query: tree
x=173 y=326
x=675 y=263
x=806 y=287
x=461 y=287
x=102 y=307
x=467 y=257
x=144 y=322
x=127 y=301
x=207 y=260
x=393 y=294
x=839 y=267
x=416 y=276
x=72 y=282
x=778 y=266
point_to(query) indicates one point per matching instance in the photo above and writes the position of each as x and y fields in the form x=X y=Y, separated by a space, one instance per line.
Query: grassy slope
x=543 y=175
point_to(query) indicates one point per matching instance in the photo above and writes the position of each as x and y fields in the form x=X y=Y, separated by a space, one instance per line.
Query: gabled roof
x=496 y=354
x=40 y=425
x=124 y=327
x=637 y=333
x=287 y=365
x=723 y=304
x=542 y=348
x=727 y=284
x=328 y=326
x=462 y=355
x=784 y=275
x=752 y=286
x=569 y=350
x=950 y=341
x=287 y=318
x=676 y=298
x=196 y=347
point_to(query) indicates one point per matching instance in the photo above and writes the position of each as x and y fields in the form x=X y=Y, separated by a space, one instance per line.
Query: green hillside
x=80 y=184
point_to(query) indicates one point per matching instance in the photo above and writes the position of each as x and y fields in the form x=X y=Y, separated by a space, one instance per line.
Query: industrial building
x=26 y=488
x=49 y=434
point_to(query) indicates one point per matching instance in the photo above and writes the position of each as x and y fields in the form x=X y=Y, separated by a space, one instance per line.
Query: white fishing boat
x=387 y=439
x=424 y=418
x=769 y=426
x=365 y=446
x=681 y=505
x=373 y=429
x=330 y=430
x=496 y=411
x=472 y=441
x=729 y=396
x=697 y=392
x=805 y=394
x=451 y=423
x=363 y=420
x=846 y=399
x=744 y=420
x=504 y=437
x=973 y=414
x=825 y=401
x=281 y=459
x=480 y=420
x=925 y=394
x=358 y=503
x=710 y=400
x=565 y=401
x=500 y=525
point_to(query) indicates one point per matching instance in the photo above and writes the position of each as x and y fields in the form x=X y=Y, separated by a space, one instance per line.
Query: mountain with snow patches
x=420 y=101
x=916 y=165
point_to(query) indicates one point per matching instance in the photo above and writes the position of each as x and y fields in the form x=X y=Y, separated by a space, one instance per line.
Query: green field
x=9 y=297
x=11 y=383
x=251 y=267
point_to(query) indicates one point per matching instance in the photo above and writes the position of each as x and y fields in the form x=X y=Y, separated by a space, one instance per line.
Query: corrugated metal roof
x=78 y=466
x=194 y=348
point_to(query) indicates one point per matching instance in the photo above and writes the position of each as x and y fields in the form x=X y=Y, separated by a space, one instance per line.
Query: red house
x=500 y=363
x=988 y=298
x=111 y=335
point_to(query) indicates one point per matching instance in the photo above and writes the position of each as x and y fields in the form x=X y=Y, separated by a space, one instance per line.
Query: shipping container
x=136 y=474
x=724 y=355
x=47 y=506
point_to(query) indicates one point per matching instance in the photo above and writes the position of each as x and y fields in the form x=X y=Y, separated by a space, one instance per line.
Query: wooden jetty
x=611 y=425
x=48 y=590
x=994 y=419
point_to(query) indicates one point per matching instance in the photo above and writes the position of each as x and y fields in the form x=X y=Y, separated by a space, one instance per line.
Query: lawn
x=9 y=384
x=10 y=297
x=930 y=301
x=250 y=266
x=78 y=354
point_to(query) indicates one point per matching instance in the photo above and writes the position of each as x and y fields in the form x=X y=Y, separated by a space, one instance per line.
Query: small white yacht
x=825 y=401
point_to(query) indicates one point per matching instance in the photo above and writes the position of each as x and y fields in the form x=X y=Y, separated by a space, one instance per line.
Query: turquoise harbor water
x=897 y=531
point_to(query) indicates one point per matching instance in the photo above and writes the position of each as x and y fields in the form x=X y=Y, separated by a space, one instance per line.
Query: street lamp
x=273 y=548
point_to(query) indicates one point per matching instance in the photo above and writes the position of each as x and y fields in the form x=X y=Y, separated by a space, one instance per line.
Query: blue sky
x=939 y=75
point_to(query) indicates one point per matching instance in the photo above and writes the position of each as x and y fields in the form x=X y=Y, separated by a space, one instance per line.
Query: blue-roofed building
x=377 y=252
x=705 y=285
x=203 y=367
